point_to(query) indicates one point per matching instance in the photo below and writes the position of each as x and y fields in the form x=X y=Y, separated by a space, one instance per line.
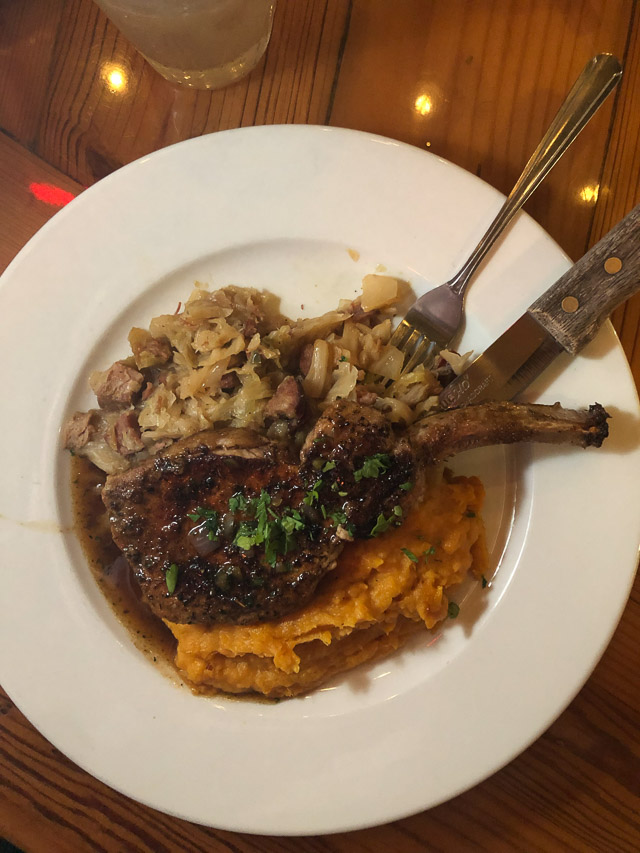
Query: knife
x=564 y=319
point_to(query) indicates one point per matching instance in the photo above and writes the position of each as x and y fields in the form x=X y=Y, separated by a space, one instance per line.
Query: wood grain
x=21 y=212
x=27 y=39
x=619 y=185
x=494 y=74
x=495 y=71
x=89 y=129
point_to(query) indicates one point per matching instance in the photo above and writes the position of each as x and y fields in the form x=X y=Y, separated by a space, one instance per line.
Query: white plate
x=278 y=207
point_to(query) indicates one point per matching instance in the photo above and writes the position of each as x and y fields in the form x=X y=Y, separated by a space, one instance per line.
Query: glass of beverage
x=206 y=44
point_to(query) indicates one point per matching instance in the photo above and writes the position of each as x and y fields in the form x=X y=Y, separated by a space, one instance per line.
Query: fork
x=433 y=320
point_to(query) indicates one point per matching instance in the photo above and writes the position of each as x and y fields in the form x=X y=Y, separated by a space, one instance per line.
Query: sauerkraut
x=221 y=359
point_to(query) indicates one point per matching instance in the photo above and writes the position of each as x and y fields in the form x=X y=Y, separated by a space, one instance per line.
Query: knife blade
x=564 y=319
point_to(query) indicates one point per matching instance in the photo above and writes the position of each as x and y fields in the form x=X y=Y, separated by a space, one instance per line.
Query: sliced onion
x=345 y=378
x=457 y=361
x=389 y=363
x=317 y=378
x=378 y=290
x=200 y=538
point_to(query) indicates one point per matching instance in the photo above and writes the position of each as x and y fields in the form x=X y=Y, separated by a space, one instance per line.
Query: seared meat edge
x=353 y=466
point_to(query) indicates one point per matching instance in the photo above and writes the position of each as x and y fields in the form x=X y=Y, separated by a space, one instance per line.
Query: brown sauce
x=115 y=578
x=110 y=569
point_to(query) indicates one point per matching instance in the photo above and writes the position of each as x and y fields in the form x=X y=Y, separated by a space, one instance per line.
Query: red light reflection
x=51 y=194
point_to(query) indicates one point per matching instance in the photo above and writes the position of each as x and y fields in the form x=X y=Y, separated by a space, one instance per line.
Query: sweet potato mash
x=382 y=591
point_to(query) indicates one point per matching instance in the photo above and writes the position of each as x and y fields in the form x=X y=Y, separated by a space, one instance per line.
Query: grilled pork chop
x=230 y=527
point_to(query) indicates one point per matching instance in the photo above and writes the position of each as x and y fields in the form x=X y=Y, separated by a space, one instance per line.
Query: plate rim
x=57 y=222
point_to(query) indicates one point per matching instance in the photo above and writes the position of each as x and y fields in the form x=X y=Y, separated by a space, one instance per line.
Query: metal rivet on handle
x=612 y=265
x=570 y=304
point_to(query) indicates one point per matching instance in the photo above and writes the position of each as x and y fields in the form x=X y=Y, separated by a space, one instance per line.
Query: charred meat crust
x=149 y=510
x=155 y=508
x=345 y=436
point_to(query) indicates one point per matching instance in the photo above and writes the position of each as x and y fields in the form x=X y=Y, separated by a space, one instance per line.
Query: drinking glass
x=206 y=44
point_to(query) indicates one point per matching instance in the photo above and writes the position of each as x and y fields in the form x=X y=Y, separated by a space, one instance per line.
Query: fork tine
x=412 y=343
x=405 y=338
x=401 y=334
x=439 y=311
x=422 y=352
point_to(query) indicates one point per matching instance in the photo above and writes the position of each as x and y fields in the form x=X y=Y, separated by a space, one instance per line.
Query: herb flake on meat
x=171 y=578
x=313 y=495
x=209 y=518
x=372 y=466
x=237 y=501
x=382 y=524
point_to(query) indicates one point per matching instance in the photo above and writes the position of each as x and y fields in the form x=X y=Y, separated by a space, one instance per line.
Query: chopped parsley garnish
x=452 y=610
x=291 y=523
x=171 y=578
x=260 y=507
x=202 y=513
x=381 y=525
x=247 y=536
x=409 y=554
x=265 y=524
x=484 y=582
x=237 y=502
x=372 y=466
x=406 y=487
x=430 y=552
x=470 y=513
x=209 y=519
x=275 y=533
x=343 y=358
x=313 y=494
x=338 y=517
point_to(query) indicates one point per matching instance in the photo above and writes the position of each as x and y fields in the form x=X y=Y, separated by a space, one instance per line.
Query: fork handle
x=598 y=79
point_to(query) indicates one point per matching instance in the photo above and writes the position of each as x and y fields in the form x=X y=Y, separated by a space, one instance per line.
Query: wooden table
x=495 y=72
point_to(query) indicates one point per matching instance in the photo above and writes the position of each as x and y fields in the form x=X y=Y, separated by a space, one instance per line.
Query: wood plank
x=27 y=36
x=90 y=128
x=619 y=189
x=490 y=87
x=31 y=192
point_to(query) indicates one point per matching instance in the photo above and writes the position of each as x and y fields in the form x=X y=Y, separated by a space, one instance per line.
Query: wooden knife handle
x=573 y=309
